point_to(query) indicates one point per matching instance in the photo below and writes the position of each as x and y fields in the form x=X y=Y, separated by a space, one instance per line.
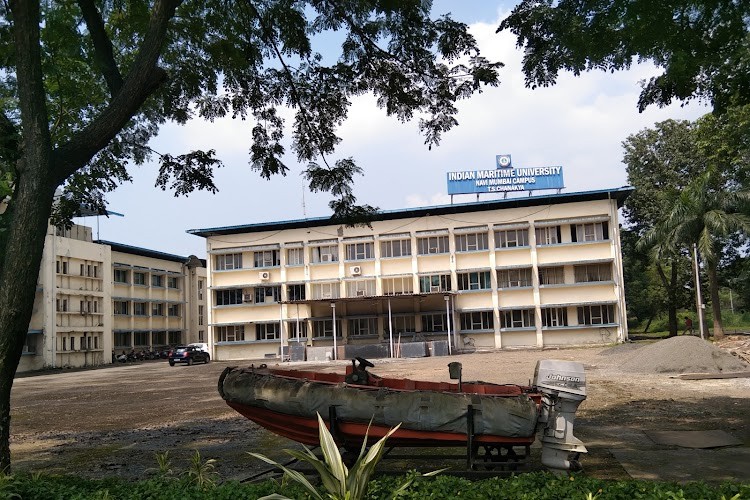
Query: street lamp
x=333 y=307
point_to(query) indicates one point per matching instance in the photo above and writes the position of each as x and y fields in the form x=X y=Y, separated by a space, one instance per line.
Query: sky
x=579 y=123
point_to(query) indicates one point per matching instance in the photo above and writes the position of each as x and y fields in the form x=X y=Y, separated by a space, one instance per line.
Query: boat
x=493 y=418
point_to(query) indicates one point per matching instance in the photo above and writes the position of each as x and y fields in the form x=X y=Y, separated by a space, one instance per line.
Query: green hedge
x=525 y=486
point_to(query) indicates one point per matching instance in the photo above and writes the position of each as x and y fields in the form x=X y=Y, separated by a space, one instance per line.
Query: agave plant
x=339 y=482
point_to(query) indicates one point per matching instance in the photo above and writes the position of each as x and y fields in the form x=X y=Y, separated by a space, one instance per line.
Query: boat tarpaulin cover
x=509 y=416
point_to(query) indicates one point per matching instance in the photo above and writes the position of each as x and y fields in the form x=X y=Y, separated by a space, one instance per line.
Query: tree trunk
x=670 y=287
x=648 y=324
x=713 y=286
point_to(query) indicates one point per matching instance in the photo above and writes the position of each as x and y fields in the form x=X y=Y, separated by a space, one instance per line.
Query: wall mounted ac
x=248 y=297
x=356 y=270
x=264 y=275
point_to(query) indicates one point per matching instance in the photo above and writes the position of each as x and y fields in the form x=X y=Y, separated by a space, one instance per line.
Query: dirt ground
x=111 y=421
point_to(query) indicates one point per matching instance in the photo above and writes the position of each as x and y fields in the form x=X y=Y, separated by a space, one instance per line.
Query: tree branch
x=104 y=57
x=292 y=86
x=142 y=80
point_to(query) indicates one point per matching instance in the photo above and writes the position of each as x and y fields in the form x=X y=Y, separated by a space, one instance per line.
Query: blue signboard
x=505 y=178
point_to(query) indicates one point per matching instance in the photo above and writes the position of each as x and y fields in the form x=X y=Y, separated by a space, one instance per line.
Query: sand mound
x=683 y=354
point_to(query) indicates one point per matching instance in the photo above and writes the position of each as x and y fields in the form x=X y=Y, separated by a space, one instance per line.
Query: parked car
x=188 y=354
x=200 y=345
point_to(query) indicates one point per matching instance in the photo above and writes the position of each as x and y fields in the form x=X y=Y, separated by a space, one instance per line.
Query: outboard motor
x=563 y=387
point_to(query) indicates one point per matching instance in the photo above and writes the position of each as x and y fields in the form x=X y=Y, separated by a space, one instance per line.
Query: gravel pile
x=682 y=354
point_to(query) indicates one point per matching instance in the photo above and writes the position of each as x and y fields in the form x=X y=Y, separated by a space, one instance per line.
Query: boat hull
x=287 y=404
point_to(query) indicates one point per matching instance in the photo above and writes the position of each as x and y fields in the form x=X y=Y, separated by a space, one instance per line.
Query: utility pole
x=698 y=300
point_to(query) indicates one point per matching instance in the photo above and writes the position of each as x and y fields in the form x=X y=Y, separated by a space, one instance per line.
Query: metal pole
x=281 y=331
x=698 y=300
x=390 y=326
x=448 y=321
x=335 y=347
x=297 y=323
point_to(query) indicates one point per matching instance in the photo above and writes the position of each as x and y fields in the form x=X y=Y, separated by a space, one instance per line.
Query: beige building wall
x=535 y=272
x=72 y=320
x=84 y=309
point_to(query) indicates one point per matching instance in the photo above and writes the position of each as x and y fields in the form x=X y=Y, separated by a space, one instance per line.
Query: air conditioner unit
x=326 y=257
x=435 y=288
x=247 y=297
x=361 y=293
x=356 y=270
x=264 y=275
x=326 y=295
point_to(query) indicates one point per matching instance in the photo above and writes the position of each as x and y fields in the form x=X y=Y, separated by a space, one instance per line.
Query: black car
x=188 y=354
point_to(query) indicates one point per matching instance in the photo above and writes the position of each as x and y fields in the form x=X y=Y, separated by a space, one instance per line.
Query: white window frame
x=512 y=238
x=555 y=272
x=472 y=242
x=267 y=331
x=517 y=318
x=295 y=256
x=360 y=288
x=435 y=283
x=228 y=262
x=395 y=248
x=363 y=327
x=266 y=258
x=554 y=317
x=592 y=273
x=433 y=245
x=360 y=251
x=477 y=321
x=547 y=235
x=474 y=280
x=514 y=278
x=230 y=333
x=325 y=291
x=430 y=320
x=324 y=254
x=398 y=286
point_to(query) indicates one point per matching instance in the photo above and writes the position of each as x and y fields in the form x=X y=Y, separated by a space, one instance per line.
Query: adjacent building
x=521 y=272
x=95 y=298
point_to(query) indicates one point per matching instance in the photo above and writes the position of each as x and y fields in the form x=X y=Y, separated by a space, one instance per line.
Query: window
x=232 y=333
x=229 y=297
x=360 y=288
x=594 y=231
x=267 y=294
x=175 y=337
x=554 y=316
x=587 y=273
x=432 y=245
x=360 y=327
x=514 y=278
x=294 y=332
x=228 y=262
x=402 y=324
x=72 y=344
x=324 y=328
x=139 y=278
x=139 y=309
x=295 y=292
x=267 y=331
x=64 y=343
x=295 y=256
x=360 y=251
x=325 y=253
x=395 y=248
x=61 y=266
x=173 y=282
x=29 y=346
x=141 y=338
x=120 y=307
x=159 y=338
x=200 y=315
x=398 y=286
x=157 y=309
x=471 y=242
x=435 y=283
x=511 y=238
x=548 y=235
x=325 y=290
x=61 y=305
x=122 y=339
x=200 y=289
x=266 y=258
x=517 y=318
x=434 y=323
x=552 y=275
x=474 y=281
x=596 y=315
x=121 y=276
x=157 y=280
x=201 y=336
x=173 y=310
x=479 y=320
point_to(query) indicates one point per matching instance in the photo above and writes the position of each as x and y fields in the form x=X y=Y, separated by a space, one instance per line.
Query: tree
x=704 y=215
x=86 y=84
x=702 y=47
x=660 y=162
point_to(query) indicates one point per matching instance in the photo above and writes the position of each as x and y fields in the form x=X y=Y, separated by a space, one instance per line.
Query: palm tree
x=703 y=214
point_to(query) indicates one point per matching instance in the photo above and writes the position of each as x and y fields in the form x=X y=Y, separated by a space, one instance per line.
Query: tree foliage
x=86 y=84
x=702 y=47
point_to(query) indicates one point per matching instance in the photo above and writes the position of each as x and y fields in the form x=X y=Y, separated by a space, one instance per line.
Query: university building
x=522 y=272
x=97 y=297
